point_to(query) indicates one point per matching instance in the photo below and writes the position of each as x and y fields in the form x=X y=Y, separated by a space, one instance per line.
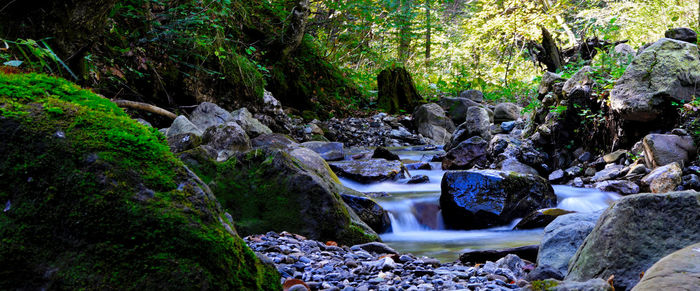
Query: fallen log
x=145 y=107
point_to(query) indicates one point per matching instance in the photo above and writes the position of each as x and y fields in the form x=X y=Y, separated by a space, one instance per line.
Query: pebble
x=355 y=269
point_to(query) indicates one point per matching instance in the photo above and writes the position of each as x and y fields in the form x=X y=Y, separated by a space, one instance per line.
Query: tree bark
x=427 y=32
x=404 y=29
x=553 y=55
x=145 y=107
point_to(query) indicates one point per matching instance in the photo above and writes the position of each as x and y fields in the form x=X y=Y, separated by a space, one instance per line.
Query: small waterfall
x=414 y=214
x=404 y=222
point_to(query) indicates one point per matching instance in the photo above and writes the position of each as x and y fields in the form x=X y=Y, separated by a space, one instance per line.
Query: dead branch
x=145 y=107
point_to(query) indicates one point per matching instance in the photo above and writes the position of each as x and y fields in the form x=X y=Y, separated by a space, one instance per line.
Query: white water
x=410 y=235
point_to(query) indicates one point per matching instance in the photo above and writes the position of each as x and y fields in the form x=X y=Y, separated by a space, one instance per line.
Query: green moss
x=544 y=285
x=99 y=202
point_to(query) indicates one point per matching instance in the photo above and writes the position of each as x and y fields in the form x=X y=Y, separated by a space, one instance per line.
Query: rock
x=540 y=218
x=269 y=189
x=635 y=232
x=396 y=90
x=209 y=114
x=467 y=154
x=543 y=272
x=507 y=126
x=486 y=198
x=369 y=211
x=585 y=157
x=663 y=149
x=382 y=153
x=624 y=53
x=477 y=124
x=252 y=126
x=562 y=237
x=610 y=172
x=574 y=171
x=226 y=139
x=556 y=176
x=456 y=108
x=657 y=74
x=664 y=179
x=581 y=81
x=418 y=179
x=480 y=256
x=548 y=81
x=679 y=270
x=183 y=142
x=432 y=123
x=554 y=285
x=368 y=171
x=473 y=95
x=514 y=165
x=428 y=214
x=691 y=181
x=682 y=34
x=110 y=206
x=182 y=125
x=274 y=140
x=375 y=247
x=637 y=170
x=506 y=112
x=623 y=187
x=614 y=156
x=329 y=151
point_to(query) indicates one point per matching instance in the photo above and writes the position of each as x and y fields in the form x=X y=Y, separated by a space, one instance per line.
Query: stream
x=416 y=221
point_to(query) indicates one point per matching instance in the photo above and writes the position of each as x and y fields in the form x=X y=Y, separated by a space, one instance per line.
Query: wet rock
x=467 y=154
x=514 y=165
x=635 y=232
x=574 y=171
x=543 y=272
x=369 y=211
x=209 y=114
x=506 y=112
x=679 y=270
x=432 y=123
x=610 y=172
x=657 y=73
x=663 y=149
x=557 y=176
x=623 y=187
x=473 y=95
x=252 y=126
x=382 y=153
x=562 y=237
x=182 y=125
x=664 y=179
x=329 y=151
x=486 y=198
x=540 y=218
x=368 y=171
x=480 y=256
x=375 y=247
x=507 y=126
x=428 y=214
x=476 y=124
x=418 y=179
x=682 y=34
x=226 y=139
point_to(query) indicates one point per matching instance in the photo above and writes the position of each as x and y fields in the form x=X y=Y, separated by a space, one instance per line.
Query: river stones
x=477 y=199
x=634 y=233
x=466 y=154
x=481 y=256
x=330 y=151
x=368 y=171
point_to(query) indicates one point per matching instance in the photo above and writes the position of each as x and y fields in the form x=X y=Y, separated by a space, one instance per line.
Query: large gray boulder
x=368 y=171
x=663 y=149
x=678 y=271
x=485 y=198
x=473 y=95
x=456 y=108
x=209 y=114
x=252 y=126
x=667 y=70
x=562 y=237
x=226 y=139
x=477 y=124
x=634 y=233
x=432 y=123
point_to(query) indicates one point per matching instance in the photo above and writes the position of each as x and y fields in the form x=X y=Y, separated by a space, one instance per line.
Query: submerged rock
x=486 y=198
x=635 y=232
x=108 y=206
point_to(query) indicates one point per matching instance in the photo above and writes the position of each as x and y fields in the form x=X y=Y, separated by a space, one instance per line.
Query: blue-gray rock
x=678 y=271
x=562 y=237
x=485 y=198
x=208 y=114
x=634 y=233
x=368 y=171
x=329 y=151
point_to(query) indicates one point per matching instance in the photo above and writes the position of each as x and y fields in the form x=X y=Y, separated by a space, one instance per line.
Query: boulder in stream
x=477 y=199
x=368 y=171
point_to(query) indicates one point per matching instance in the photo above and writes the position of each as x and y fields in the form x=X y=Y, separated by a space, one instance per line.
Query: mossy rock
x=95 y=200
x=269 y=189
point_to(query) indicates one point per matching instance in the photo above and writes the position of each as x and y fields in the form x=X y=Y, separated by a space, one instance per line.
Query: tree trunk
x=553 y=58
x=404 y=30
x=427 y=32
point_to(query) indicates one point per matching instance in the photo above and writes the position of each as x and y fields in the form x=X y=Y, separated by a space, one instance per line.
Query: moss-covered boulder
x=281 y=189
x=95 y=200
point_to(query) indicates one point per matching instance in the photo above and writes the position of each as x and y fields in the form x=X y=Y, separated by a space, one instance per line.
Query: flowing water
x=416 y=221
